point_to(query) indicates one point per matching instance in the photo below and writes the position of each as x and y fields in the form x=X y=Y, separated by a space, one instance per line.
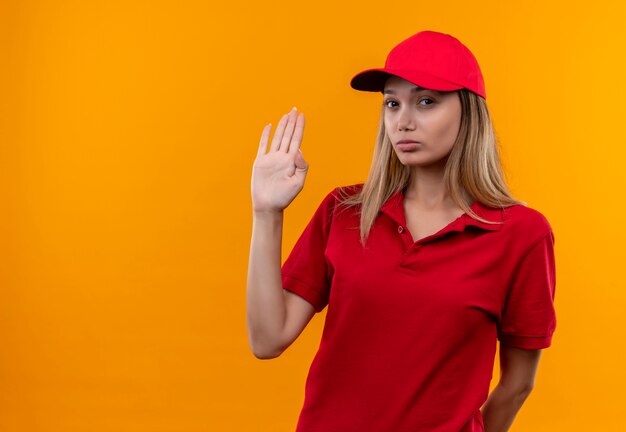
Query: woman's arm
x=274 y=316
x=518 y=368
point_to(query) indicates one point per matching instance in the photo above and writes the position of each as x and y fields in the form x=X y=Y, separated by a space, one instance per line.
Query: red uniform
x=410 y=334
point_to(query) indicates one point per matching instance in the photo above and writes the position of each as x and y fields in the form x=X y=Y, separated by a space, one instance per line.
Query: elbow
x=525 y=391
x=524 y=388
x=265 y=355
x=264 y=350
x=520 y=393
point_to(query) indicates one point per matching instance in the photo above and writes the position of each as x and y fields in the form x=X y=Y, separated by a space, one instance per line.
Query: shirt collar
x=393 y=208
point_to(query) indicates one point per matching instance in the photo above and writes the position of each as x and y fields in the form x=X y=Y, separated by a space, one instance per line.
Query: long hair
x=473 y=165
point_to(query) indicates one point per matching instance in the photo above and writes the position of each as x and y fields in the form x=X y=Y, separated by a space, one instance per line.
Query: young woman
x=423 y=267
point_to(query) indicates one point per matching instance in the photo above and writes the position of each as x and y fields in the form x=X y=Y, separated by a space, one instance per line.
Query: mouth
x=407 y=146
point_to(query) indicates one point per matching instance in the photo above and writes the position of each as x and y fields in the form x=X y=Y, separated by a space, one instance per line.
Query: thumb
x=301 y=164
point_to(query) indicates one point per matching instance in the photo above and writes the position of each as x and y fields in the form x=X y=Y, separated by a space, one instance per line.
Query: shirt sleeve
x=306 y=271
x=529 y=318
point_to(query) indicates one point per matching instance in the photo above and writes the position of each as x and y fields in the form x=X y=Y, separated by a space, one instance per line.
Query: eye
x=389 y=101
x=427 y=99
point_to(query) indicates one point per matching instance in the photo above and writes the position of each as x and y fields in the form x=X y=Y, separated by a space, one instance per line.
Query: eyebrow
x=413 y=90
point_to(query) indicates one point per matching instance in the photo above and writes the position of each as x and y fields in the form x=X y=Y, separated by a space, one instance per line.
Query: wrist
x=267 y=214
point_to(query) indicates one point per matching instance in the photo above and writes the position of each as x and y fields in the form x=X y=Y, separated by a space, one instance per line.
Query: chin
x=418 y=160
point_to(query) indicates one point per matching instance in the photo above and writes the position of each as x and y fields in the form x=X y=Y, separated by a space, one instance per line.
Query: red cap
x=428 y=59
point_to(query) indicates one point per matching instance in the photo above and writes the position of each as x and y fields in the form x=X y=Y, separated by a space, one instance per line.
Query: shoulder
x=340 y=193
x=338 y=200
x=348 y=190
x=526 y=222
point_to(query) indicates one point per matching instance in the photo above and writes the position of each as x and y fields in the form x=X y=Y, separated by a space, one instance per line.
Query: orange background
x=127 y=136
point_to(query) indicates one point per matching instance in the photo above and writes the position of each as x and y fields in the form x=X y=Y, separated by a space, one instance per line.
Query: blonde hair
x=473 y=165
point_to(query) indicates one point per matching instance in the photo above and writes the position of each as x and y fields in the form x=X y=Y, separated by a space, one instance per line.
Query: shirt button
x=400 y=229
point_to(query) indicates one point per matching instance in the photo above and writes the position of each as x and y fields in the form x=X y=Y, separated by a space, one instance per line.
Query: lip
x=407 y=145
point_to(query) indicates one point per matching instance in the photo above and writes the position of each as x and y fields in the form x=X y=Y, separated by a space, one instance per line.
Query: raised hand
x=278 y=175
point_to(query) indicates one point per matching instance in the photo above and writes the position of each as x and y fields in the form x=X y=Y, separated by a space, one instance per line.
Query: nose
x=405 y=120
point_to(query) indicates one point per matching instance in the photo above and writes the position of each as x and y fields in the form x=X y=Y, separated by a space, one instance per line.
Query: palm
x=278 y=175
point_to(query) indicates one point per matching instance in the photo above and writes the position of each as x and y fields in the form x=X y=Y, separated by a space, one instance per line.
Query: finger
x=278 y=133
x=294 y=146
x=265 y=135
x=300 y=162
x=284 y=145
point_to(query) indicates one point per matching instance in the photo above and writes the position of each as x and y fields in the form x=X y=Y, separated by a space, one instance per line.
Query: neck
x=426 y=189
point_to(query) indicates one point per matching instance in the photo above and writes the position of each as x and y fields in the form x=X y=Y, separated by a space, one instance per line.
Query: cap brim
x=373 y=80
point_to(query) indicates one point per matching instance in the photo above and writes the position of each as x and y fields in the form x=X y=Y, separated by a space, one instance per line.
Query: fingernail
x=294 y=109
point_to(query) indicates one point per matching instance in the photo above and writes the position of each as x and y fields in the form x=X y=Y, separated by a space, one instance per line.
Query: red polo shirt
x=410 y=334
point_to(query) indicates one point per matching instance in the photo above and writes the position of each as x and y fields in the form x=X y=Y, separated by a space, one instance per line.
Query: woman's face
x=429 y=118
